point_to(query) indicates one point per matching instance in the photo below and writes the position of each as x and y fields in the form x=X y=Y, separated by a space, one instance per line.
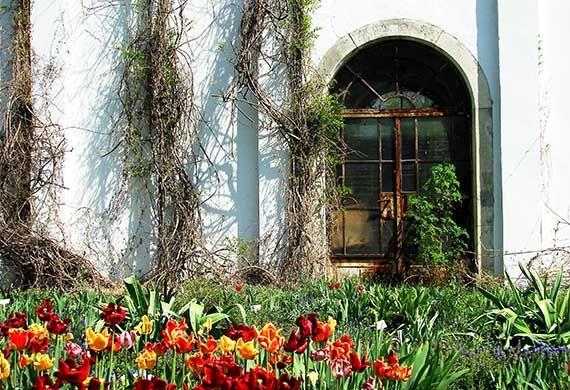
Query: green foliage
x=440 y=240
x=301 y=20
x=433 y=367
x=539 y=314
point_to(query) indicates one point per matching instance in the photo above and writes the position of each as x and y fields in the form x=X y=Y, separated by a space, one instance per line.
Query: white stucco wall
x=77 y=66
x=520 y=131
x=554 y=139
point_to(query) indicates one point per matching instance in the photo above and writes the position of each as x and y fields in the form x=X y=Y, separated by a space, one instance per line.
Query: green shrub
x=432 y=228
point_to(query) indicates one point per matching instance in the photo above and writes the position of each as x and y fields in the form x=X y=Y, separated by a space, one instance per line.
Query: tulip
x=44 y=311
x=72 y=350
x=246 y=350
x=25 y=360
x=57 y=326
x=226 y=344
x=70 y=373
x=146 y=359
x=113 y=314
x=269 y=338
x=43 y=362
x=18 y=338
x=97 y=341
x=127 y=339
x=4 y=368
x=146 y=325
x=208 y=347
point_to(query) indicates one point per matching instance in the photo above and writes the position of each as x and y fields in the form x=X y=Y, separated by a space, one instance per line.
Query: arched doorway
x=407 y=109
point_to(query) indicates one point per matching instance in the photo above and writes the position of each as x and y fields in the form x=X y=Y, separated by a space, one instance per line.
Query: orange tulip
x=269 y=338
x=173 y=332
x=207 y=348
x=246 y=350
x=226 y=344
x=25 y=360
x=4 y=368
x=146 y=359
x=43 y=362
x=97 y=341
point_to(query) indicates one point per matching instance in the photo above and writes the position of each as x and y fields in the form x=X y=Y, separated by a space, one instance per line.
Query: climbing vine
x=157 y=135
x=31 y=153
x=280 y=33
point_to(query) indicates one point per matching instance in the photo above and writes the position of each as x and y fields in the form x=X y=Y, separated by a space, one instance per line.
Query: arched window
x=407 y=109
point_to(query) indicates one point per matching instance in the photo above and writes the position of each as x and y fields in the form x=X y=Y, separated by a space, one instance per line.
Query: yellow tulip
x=226 y=344
x=332 y=324
x=40 y=331
x=97 y=341
x=43 y=362
x=4 y=368
x=145 y=327
x=25 y=360
x=146 y=359
x=246 y=350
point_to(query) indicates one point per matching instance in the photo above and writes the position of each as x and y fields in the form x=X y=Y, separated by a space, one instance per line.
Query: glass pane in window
x=422 y=101
x=407 y=104
x=425 y=172
x=409 y=177
x=393 y=103
x=388 y=236
x=388 y=177
x=461 y=139
x=362 y=232
x=408 y=135
x=359 y=96
x=387 y=133
x=363 y=180
x=337 y=244
x=361 y=136
x=433 y=138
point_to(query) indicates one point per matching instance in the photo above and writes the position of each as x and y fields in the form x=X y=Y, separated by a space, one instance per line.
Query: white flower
x=313 y=377
x=256 y=308
x=381 y=325
x=4 y=302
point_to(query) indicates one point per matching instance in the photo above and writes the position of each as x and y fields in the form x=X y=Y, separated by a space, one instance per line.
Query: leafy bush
x=541 y=313
x=432 y=228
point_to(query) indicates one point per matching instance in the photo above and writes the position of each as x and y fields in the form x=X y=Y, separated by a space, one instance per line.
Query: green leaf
x=195 y=314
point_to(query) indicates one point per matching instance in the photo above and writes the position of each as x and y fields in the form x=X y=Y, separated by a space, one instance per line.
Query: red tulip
x=70 y=373
x=113 y=314
x=44 y=310
x=56 y=326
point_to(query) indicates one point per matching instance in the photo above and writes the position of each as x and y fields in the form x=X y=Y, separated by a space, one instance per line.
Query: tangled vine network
x=158 y=138
x=30 y=161
x=276 y=38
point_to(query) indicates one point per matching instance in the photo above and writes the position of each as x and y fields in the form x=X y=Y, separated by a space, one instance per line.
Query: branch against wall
x=158 y=137
x=279 y=34
x=30 y=160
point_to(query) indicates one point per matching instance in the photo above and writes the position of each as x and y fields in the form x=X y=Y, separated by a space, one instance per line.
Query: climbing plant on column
x=279 y=35
x=31 y=153
x=158 y=136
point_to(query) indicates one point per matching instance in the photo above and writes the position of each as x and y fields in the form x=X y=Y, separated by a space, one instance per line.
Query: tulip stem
x=173 y=373
x=111 y=358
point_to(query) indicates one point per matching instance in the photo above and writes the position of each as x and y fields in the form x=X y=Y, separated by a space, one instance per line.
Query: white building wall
x=77 y=65
x=520 y=145
x=554 y=62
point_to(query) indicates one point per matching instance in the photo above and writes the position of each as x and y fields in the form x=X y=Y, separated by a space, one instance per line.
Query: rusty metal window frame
x=398 y=195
